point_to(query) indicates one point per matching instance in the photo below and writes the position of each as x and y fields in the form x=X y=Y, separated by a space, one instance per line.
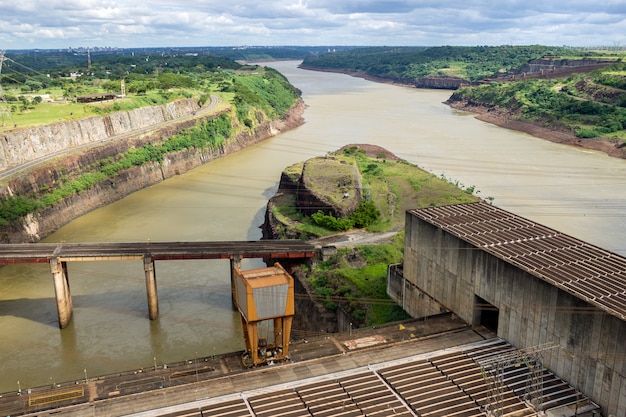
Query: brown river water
x=579 y=192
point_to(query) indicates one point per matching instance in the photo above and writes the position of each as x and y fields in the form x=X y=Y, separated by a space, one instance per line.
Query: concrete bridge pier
x=61 y=291
x=235 y=262
x=151 y=287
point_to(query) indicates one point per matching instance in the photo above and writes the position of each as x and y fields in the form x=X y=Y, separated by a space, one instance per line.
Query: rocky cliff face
x=560 y=65
x=124 y=183
x=23 y=145
x=444 y=83
x=325 y=184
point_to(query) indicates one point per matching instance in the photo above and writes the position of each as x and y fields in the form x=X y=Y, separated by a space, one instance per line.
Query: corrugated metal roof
x=588 y=272
x=450 y=382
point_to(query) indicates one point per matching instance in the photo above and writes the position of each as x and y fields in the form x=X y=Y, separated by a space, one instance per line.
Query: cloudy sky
x=27 y=24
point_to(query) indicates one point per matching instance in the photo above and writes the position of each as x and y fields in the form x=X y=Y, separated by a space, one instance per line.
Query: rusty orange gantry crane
x=265 y=294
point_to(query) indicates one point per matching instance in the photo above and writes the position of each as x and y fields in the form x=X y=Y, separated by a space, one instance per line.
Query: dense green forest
x=113 y=62
x=410 y=63
x=588 y=104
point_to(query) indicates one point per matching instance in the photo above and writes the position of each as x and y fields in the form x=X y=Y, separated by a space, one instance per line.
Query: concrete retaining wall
x=23 y=145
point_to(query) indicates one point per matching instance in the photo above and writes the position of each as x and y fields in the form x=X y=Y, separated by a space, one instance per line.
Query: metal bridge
x=59 y=254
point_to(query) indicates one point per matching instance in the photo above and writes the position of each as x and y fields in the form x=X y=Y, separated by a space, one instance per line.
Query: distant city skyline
x=61 y=24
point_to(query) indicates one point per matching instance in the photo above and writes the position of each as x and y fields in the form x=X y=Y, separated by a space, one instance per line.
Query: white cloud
x=59 y=23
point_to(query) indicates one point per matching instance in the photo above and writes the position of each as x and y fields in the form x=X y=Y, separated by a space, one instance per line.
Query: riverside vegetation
x=406 y=64
x=580 y=94
x=354 y=279
x=588 y=105
x=255 y=94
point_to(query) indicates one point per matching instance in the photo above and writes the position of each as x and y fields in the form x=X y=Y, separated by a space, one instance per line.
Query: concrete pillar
x=235 y=262
x=61 y=291
x=253 y=337
x=286 y=334
x=151 y=288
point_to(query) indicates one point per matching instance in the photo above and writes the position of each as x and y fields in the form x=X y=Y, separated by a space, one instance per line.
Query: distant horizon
x=97 y=48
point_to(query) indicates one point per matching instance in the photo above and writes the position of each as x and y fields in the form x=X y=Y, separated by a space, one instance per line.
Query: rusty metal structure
x=265 y=294
x=59 y=255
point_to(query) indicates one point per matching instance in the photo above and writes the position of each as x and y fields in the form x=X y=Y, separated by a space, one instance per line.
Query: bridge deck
x=43 y=252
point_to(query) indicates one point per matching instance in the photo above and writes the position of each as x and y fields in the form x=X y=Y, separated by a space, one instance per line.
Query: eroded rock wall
x=23 y=145
x=40 y=225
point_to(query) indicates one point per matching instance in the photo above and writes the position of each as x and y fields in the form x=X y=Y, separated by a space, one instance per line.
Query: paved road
x=353 y=238
x=207 y=109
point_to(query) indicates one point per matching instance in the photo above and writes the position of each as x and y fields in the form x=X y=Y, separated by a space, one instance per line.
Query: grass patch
x=58 y=111
x=46 y=113
x=355 y=280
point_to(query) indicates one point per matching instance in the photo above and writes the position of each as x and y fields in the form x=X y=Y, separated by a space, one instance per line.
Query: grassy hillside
x=42 y=88
x=589 y=105
x=256 y=96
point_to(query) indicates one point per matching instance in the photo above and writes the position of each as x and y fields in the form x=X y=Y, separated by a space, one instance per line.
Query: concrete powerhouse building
x=532 y=285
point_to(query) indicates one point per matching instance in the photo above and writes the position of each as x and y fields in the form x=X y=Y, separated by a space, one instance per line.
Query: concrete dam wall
x=24 y=145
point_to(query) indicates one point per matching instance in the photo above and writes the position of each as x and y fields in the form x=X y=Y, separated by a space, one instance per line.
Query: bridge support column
x=61 y=291
x=151 y=287
x=235 y=262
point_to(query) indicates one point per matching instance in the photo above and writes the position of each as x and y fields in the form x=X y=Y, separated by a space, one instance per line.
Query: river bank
x=612 y=147
x=36 y=181
x=435 y=82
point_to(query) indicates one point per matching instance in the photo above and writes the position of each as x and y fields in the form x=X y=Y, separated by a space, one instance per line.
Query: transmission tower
x=5 y=111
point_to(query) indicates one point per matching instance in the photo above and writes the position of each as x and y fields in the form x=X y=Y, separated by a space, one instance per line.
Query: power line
x=5 y=112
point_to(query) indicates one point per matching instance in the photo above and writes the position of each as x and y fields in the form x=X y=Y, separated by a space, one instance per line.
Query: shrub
x=331 y=222
x=365 y=214
x=15 y=207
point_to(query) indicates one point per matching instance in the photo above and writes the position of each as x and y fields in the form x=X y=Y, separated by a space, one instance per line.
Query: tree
x=111 y=86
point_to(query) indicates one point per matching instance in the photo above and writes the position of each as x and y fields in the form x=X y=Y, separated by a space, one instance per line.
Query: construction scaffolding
x=494 y=370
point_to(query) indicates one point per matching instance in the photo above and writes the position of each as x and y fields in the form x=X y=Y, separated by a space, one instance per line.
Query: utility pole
x=4 y=106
